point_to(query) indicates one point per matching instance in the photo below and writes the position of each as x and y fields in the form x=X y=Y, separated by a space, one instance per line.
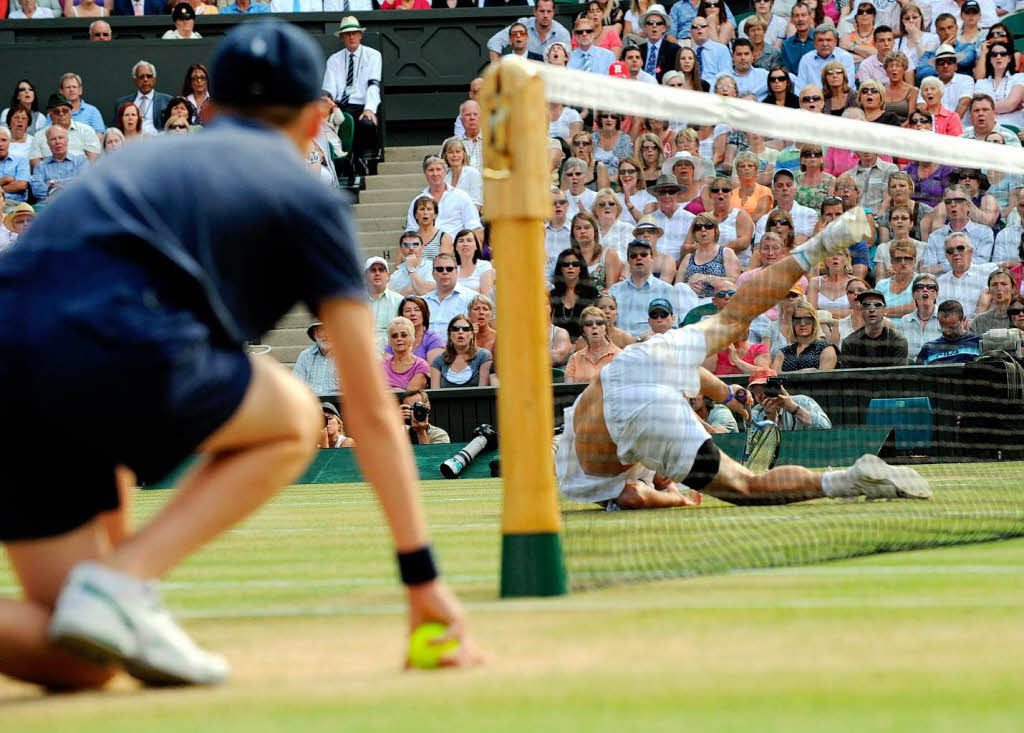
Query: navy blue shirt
x=229 y=218
x=942 y=351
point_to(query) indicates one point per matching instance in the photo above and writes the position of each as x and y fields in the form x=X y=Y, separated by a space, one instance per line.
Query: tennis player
x=631 y=438
x=130 y=300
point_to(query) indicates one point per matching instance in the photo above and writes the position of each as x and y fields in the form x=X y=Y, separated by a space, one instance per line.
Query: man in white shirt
x=150 y=102
x=474 y=94
x=633 y=295
x=749 y=79
x=784 y=192
x=958 y=206
x=712 y=56
x=82 y=139
x=541 y=30
x=353 y=79
x=983 y=121
x=448 y=299
x=588 y=57
x=383 y=301
x=633 y=58
x=959 y=87
x=966 y=282
x=30 y=10
x=556 y=231
x=472 y=140
x=825 y=50
x=674 y=220
x=455 y=209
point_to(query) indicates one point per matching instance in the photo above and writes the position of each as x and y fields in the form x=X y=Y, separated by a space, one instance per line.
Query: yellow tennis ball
x=423 y=654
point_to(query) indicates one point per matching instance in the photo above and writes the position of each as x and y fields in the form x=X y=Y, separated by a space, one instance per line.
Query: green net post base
x=531 y=565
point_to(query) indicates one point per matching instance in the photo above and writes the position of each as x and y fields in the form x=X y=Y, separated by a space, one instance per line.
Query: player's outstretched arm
x=385 y=457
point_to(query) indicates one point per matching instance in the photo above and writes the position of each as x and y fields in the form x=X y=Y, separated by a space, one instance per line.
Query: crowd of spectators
x=655 y=222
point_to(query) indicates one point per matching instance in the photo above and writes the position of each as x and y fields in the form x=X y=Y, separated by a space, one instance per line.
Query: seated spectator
x=557 y=53
x=16 y=223
x=983 y=209
x=24 y=96
x=425 y=343
x=634 y=294
x=900 y=97
x=836 y=90
x=518 y=43
x=177 y=107
x=814 y=183
x=586 y=55
x=633 y=59
x=577 y=193
x=573 y=290
x=113 y=139
x=825 y=50
x=789 y=412
x=843 y=327
x=333 y=433
x=448 y=299
x=315 y=365
x=414 y=275
x=481 y=315
x=690 y=172
x=930 y=181
x=900 y=192
x=647 y=149
x=30 y=10
x=719 y=300
x=950 y=50
x=735 y=227
x=14 y=173
x=129 y=122
x=184 y=18
x=613 y=231
x=609 y=307
x=586 y=363
x=871 y=99
x=1001 y=292
x=602 y=262
x=1016 y=312
x=434 y=240
x=833 y=208
x=872 y=52
x=983 y=121
x=177 y=125
x=596 y=173
x=739 y=357
x=748 y=194
x=807 y=352
x=921 y=325
x=749 y=78
x=860 y=41
x=803 y=218
x=475 y=273
x=565 y=122
x=780 y=89
x=932 y=114
x=382 y=300
x=1008 y=250
x=607 y=20
x=149 y=102
x=876 y=344
x=664 y=264
x=672 y=218
x=245 y=7
x=872 y=174
x=715 y=418
x=81 y=111
x=954 y=345
x=897 y=287
x=82 y=140
x=610 y=144
x=1002 y=83
x=462 y=364
x=402 y=368
x=57 y=169
x=196 y=91
x=708 y=258
x=827 y=291
x=957 y=206
x=421 y=432
x=456 y=210
x=966 y=280
x=542 y=30
x=661 y=318
x=460 y=174
x=353 y=77
x=713 y=56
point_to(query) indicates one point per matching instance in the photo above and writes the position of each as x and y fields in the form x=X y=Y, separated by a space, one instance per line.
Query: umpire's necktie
x=652 y=59
x=296 y=6
x=350 y=76
x=700 y=59
x=586 y=61
x=143 y=105
x=344 y=5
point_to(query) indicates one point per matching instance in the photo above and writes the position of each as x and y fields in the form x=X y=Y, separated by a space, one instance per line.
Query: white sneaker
x=876 y=479
x=110 y=617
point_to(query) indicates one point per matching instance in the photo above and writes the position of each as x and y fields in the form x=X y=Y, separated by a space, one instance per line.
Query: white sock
x=836 y=484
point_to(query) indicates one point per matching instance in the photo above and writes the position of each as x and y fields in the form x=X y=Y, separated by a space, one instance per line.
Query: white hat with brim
x=655 y=10
x=701 y=168
x=17 y=211
x=349 y=24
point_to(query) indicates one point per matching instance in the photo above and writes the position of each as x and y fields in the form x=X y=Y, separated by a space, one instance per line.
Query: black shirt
x=860 y=351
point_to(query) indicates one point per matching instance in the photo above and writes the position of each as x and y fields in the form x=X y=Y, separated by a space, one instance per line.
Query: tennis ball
x=423 y=654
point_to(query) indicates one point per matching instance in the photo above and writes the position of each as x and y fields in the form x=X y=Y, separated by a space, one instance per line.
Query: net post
x=518 y=201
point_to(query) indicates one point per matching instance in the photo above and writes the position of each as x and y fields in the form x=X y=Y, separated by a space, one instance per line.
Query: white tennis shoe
x=111 y=617
x=876 y=479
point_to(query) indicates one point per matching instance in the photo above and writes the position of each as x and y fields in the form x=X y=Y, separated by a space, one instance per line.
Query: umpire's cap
x=266 y=62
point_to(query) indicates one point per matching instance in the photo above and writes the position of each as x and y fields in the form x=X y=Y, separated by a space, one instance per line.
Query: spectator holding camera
x=954 y=345
x=876 y=344
x=333 y=433
x=774 y=403
x=715 y=418
x=415 y=409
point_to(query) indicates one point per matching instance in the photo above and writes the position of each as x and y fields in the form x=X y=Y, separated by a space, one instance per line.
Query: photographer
x=332 y=435
x=415 y=409
x=789 y=412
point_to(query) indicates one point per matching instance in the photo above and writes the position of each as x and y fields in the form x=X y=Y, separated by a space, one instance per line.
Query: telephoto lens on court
x=486 y=438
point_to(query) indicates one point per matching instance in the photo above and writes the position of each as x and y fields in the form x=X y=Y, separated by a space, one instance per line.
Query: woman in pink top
x=405 y=5
x=740 y=357
x=932 y=113
x=402 y=368
x=838 y=160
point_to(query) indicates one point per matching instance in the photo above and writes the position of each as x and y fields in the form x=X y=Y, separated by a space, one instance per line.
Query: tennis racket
x=761 y=450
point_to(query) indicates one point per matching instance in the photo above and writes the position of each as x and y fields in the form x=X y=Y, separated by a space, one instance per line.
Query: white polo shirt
x=455 y=212
x=804 y=220
x=967 y=288
x=676 y=229
x=456 y=303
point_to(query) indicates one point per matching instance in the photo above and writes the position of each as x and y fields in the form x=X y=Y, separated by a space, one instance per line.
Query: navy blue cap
x=266 y=62
x=660 y=304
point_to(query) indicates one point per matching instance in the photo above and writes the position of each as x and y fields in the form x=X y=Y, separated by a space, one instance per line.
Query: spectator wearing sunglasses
x=713 y=57
x=683 y=14
x=957 y=207
x=1001 y=292
x=1016 y=312
x=921 y=325
x=542 y=29
x=720 y=299
x=462 y=364
x=1009 y=246
x=950 y=52
x=587 y=56
x=585 y=364
x=660 y=52
x=1003 y=84
x=572 y=290
x=807 y=352
x=954 y=345
x=780 y=89
x=966 y=281
x=448 y=299
x=876 y=344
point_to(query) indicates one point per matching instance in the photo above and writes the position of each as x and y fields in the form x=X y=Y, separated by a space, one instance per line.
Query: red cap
x=760 y=376
x=618 y=69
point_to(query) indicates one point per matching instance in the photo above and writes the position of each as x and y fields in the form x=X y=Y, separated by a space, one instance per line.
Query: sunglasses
x=865 y=11
x=920 y=121
x=703 y=226
x=517 y=34
x=710 y=5
x=640 y=254
x=573 y=174
x=26 y=89
x=960 y=248
x=812 y=154
x=410 y=245
x=698 y=27
x=627 y=172
x=945 y=61
x=463 y=329
x=996 y=54
x=869 y=90
x=444 y=268
x=777 y=78
x=903 y=259
x=593 y=323
x=656 y=23
x=725 y=293
x=1015 y=312
x=778 y=223
x=606 y=116
x=570 y=263
x=178 y=127
x=968 y=177
x=803 y=321
x=648 y=146
x=583 y=31
x=950 y=202
x=810 y=98
x=927 y=286
x=197 y=77
x=145 y=76
x=658 y=315
x=605 y=204
x=720 y=190
x=583 y=143
x=872 y=306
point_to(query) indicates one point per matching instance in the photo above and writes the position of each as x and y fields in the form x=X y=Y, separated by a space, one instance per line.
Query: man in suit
x=660 y=54
x=139 y=7
x=519 y=42
x=150 y=102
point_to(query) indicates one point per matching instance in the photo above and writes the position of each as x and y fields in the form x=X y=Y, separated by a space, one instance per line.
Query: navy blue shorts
x=107 y=367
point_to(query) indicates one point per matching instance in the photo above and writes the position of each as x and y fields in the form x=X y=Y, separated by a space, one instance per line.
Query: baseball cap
x=57 y=100
x=639 y=243
x=797 y=288
x=330 y=407
x=760 y=376
x=183 y=11
x=266 y=62
x=618 y=69
x=784 y=172
x=660 y=304
x=945 y=50
x=970 y=5
x=376 y=261
x=861 y=297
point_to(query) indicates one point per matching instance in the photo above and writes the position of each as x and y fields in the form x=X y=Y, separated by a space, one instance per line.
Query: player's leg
x=735 y=484
x=662 y=495
x=41 y=566
x=118 y=521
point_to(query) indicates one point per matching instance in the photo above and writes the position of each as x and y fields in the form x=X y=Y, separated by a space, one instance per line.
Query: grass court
x=303 y=600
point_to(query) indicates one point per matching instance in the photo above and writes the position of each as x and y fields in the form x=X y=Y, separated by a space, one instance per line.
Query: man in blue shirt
x=541 y=30
x=825 y=51
x=588 y=57
x=749 y=78
x=634 y=294
x=954 y=346
x=965 y=53
x=683 y=13
x=14 y=173
x=712 y=56
x=245 y=7
x=81 y=111
x=151 y=294
x=800 y=43
x=55 y=171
